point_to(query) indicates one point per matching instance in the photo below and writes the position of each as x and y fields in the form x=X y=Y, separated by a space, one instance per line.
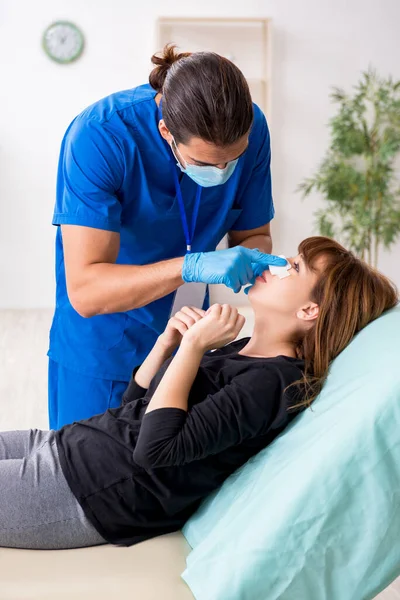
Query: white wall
x=317 y=43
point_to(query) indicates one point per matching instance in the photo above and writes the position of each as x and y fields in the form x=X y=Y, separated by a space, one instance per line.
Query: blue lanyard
x=189 y=233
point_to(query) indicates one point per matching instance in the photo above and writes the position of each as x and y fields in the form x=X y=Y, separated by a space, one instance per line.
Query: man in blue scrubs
x=149 y=181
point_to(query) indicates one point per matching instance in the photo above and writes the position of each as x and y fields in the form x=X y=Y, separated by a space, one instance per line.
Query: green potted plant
x=358 y=176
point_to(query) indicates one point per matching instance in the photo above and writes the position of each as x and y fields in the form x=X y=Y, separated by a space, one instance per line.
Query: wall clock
x=63 y=42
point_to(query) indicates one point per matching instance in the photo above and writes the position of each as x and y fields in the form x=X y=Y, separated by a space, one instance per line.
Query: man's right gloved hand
x=233 y=267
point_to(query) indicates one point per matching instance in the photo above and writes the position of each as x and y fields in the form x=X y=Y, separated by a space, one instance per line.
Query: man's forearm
x=110 y=288
x=262 y=242
x=106 y=288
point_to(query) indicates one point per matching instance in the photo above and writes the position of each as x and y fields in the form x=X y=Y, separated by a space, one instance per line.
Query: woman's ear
x=309 y=312
x=164 y=131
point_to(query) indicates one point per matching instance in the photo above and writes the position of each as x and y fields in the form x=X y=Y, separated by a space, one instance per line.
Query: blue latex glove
x=233 y=267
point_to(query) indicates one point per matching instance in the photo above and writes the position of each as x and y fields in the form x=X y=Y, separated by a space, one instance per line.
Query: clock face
x=63 y=42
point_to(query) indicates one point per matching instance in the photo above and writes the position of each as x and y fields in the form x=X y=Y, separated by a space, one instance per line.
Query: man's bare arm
x=96 y=285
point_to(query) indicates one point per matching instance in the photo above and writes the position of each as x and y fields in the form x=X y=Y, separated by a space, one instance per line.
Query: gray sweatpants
x=37 y=508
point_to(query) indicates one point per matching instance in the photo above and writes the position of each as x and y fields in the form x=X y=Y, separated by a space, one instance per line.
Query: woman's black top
x=140 y=475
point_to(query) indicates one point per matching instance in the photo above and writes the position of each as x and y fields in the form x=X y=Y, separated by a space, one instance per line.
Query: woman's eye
x=296 y=266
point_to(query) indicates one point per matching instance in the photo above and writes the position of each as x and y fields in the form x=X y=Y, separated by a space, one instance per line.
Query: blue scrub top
x=114 y=174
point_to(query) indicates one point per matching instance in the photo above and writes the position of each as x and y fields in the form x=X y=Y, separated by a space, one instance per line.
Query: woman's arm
x=247 y=407
x=156 y=357
x=219 y=326
x=177 y=326
x=173 y=390
x=169 y=434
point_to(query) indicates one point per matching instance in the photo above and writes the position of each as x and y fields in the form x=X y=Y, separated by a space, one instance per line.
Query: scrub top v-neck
x=115 y=174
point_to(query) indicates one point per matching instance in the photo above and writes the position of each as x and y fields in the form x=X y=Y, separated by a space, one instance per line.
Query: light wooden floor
x=23 y=379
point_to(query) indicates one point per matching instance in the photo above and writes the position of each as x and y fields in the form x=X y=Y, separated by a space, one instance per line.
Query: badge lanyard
x=189 y=233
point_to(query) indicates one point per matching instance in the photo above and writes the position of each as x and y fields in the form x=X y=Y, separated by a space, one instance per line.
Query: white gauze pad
x=281 y=271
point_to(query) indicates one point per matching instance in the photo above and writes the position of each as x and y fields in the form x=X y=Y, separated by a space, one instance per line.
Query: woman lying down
x=186 y=423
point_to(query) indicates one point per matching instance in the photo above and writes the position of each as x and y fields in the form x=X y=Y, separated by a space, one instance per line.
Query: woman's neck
x=268 y=341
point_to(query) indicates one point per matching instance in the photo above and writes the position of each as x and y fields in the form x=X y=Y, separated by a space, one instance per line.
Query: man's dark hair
x=204 y=95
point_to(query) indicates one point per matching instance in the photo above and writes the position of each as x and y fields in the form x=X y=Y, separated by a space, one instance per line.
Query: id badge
x=189 y=294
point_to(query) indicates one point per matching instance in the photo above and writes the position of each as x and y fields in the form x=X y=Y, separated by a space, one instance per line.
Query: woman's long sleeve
x=241 y=410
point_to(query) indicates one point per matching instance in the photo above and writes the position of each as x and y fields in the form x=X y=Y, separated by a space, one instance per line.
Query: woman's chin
x=258 y=300
x=254 y=291
x=255 y=299
x=249 y=294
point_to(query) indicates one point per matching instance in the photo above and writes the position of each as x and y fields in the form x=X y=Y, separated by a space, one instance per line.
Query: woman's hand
x=179 y=324
x=220 y=325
